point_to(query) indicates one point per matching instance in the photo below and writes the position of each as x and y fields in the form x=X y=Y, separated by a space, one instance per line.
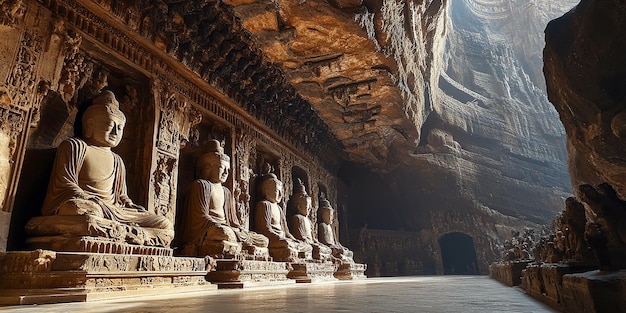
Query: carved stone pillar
x=245 y=148
x=285 y=166
x=18 y=95
x=175 y=118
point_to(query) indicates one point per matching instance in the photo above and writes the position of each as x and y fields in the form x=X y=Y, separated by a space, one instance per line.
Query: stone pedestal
x=594 y=291
x=508 y=273
x=545 y=281
x=266 y=272
x=226 y=274
x=306 y=272
x=87 y=233
x=44 y=276
x=350 y=271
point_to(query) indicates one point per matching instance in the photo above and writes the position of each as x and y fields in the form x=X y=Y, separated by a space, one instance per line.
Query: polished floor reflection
x=398 y=294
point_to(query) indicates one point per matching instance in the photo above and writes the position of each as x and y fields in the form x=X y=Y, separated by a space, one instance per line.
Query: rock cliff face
x=492 y=140
x=586 y=72
x=493 y=115
x=440 y=107
x=491 y=155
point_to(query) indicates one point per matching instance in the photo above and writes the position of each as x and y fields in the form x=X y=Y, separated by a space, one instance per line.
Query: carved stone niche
x=209 y=128
x=263 y=156
x=299 y=174
x=60 y=119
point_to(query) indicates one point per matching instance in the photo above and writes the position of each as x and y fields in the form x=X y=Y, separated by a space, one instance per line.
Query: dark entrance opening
x=458 y=254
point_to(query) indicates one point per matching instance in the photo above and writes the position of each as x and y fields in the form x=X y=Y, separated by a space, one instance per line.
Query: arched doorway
x=458 y=254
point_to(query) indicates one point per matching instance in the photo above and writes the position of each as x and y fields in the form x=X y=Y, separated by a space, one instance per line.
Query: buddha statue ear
x=88 y=127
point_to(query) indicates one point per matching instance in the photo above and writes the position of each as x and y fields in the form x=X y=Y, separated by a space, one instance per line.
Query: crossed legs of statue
x=220 y=241
x=136 y=227
x=289 y=250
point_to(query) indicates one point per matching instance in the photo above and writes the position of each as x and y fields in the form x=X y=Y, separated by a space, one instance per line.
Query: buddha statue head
x=271 y=187
x=103 y=122
x=213 y=164
x=301 y=200
x=325 y=211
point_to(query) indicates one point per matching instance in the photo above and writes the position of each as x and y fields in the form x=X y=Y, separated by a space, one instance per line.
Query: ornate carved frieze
x=11 y=11
x=12 y=123
x=245 y=147
x=90 y=23
x=21 y=83
x=177 y=119
x=27 y=262
x=204 y=36
x=162 y=181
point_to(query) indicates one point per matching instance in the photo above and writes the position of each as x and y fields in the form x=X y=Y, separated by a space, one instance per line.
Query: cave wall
x=492 y=154
x=585 y=73
x=177 y=90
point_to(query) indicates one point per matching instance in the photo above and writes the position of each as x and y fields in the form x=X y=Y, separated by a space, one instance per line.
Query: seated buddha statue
x=211 y=224
x=326 y=234
x=300 y=224
x=270 y=221
x=88 y=179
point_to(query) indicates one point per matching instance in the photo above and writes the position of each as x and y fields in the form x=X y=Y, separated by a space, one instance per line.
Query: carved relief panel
x=23 y=48
x=245 y=151
x=176 y=124
x=17 y=95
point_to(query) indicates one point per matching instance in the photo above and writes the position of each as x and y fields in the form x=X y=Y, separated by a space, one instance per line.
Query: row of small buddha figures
x=88 y=180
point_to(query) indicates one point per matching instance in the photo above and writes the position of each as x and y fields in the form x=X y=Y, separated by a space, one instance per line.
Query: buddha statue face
x=105 y=131
x=213 y=165
x=103 y=122
x=214 y=169
x=326 y=211
x=272 y=190
x=302 y=203
x=327 y=216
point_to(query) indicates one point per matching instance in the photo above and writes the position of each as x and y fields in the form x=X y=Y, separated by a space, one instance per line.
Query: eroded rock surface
x=585 y=70
x=494 y=118
x=366 y=68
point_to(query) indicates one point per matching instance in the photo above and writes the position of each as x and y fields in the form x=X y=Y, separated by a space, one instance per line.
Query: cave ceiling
x=349 y=79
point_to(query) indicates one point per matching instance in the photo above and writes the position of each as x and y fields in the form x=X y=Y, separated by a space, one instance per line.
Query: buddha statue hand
x=135 y=207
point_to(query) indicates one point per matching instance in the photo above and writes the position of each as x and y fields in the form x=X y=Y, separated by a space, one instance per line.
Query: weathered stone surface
x=492 y=151
x=43 y=276
x=264 y=272
x=585 y=71
x=508 y=273
x=365 y=69
x=594 y=291
x=350 y=271
x=306 y=272
x=494 y=107
x=545 y=282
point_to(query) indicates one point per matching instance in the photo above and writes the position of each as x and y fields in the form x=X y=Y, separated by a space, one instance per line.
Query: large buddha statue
x=327 y=235
x=300 y=224
x=89 y=179
x=211 y=225
x=270 y=221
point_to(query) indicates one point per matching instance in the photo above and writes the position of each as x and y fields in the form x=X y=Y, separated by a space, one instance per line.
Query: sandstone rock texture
x=492 y=140
x=366 y=68
x=440 y=107
x=494 y=120
x=585 y=71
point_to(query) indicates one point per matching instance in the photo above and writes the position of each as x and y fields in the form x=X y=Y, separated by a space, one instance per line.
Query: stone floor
x=398 y=294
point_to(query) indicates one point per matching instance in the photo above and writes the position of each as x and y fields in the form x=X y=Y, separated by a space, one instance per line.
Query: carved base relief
x=263 y=272
x=62 y=277
x=306 y=272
